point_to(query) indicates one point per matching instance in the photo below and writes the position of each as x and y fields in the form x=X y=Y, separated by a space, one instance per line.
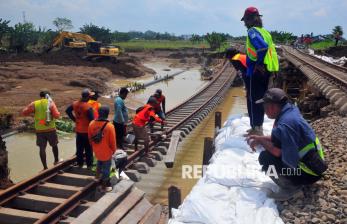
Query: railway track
x=63 y=193
x=330 y=79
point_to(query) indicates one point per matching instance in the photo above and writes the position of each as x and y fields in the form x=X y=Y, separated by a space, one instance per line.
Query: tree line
x=25 y=36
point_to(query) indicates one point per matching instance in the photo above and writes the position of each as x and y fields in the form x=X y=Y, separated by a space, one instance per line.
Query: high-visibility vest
x=270 y=59
x=241 y=58
x=40 y=116
x=302 y=152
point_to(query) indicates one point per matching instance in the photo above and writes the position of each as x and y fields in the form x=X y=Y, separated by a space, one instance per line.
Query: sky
x=182 y=16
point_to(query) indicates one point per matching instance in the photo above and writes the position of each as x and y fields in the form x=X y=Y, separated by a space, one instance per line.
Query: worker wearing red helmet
x=262 y=62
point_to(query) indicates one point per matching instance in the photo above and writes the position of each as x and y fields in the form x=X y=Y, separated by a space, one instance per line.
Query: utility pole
x=23 y=15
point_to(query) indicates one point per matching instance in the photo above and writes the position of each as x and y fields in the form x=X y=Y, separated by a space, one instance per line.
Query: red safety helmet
x=250 y=11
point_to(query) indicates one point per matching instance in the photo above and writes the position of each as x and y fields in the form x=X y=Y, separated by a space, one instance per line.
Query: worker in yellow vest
x=45 y=112
x=262 y=63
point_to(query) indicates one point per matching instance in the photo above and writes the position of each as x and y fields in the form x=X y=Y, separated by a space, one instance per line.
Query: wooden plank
x=171 y=153
x=103 y=206
x=33 y=202
x=13 y=216
x=136 y=214
x=208 y=152
x=152 y=216
x=123 y=208
x=55 y=190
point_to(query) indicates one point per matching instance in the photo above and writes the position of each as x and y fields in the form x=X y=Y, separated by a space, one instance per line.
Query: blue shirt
x=120 y=111
x=261 y=47
x=291 y=133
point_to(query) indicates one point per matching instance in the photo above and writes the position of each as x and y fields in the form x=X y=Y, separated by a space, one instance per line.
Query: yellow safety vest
x=302 y=152
x=40 y=116
x=270 y=59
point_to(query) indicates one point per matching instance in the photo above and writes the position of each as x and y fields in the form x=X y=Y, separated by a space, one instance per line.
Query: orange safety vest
x=95 y=105
x=80 y=110
x=142 y=117
x=241 y=58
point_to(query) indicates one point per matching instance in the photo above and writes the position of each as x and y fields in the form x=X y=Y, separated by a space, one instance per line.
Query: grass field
x=322 y=45
x=139 y=45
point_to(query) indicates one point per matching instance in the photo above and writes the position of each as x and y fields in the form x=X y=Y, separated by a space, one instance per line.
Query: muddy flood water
x=24 y=160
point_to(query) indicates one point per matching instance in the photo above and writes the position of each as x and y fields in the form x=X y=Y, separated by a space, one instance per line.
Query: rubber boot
x=287 y=189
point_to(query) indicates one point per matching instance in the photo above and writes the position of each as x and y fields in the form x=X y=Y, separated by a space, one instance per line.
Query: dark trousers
x=256 y=86
x=296 y=176
x=120 y=133
x=83 y=149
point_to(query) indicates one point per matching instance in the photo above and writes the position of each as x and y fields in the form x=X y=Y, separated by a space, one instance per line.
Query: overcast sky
x=182 y=16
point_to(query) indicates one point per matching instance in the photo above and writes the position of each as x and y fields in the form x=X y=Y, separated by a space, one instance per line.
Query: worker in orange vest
x=93 y=101
x=142 y=117
x=82 y=114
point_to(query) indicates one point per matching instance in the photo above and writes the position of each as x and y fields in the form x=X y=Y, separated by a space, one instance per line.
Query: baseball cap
x=274 y=95
x=250 y=11
x=85 y=93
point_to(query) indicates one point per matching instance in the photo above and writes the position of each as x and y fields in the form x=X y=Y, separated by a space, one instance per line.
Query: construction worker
x=93 y=101
x=121 y=117
x=102 y=137
x=142 y=117
x=239 y=61
x=262 y=63
x=45 y=111
x=293 y=155
x=159 y=106
x=82 y=114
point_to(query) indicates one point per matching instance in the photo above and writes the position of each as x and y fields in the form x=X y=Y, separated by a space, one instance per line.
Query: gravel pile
x=326 y=200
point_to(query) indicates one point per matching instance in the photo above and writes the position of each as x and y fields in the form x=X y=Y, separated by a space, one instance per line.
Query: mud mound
x=181 y=55
x=339 y=51
x=125 y=66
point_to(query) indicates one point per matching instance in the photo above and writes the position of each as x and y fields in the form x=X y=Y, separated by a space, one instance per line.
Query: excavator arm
x=59 y=39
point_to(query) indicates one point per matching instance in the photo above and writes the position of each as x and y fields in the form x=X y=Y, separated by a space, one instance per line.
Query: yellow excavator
x=95 y=49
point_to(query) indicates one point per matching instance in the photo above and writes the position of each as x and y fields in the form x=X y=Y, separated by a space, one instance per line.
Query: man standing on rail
x=121 y=117
x=262 y=62
x=45 y=111
x=142 y=117
x=82 y=114
x=102 y=136
x=293 y=156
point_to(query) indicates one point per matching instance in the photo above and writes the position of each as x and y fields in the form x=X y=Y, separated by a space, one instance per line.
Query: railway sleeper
x=35 y=203
x=150 y=162
x=161 y=149
x=141 y=167
x=134 y=175
x=15 y=216
x=55 y=190
x=72 y=179
x=156 y=155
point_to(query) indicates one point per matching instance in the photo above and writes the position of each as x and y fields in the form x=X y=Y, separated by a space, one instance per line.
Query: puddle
x=24 y=158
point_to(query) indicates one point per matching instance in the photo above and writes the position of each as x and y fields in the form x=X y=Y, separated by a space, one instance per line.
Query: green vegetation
x=64 y=126
x=139 y=45
x=62 y=24
x=282 y=37
x=322 y=45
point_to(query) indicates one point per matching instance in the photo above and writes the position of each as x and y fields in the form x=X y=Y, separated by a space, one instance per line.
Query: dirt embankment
x=64 y=73
x=336 y=52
